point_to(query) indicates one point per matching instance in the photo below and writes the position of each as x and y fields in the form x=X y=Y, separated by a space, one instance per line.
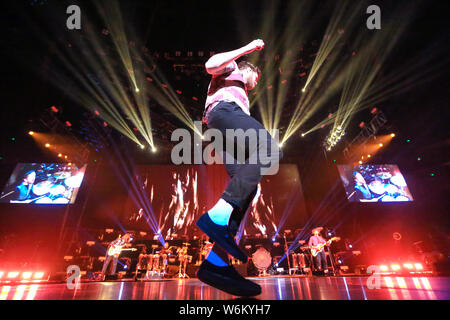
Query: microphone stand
x=287 y=253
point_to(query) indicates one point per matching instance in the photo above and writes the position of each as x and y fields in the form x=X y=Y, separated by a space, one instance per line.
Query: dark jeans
x=321 y=261
x=244 y=176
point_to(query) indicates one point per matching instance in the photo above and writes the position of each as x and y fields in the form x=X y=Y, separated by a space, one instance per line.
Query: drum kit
x=184 y=259
x=157 y=262
x=388 y=187
x=57 y=189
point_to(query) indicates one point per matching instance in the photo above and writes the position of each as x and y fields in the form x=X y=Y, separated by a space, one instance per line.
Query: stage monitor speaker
x=58 y=276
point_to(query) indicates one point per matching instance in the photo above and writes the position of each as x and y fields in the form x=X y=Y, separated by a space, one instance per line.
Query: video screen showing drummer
x=43 y=184
x=372 y=183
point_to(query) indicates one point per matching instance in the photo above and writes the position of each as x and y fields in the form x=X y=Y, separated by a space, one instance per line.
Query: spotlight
x=59 y=155
x=142 y=146
x=47 y=145
x=392 y=135
x=384 y=268
x=408 y=266
x=38 y=275
x=368 y=156
x=26 y=275
x=281 y=144
x=137 y=90
x=303 y=90
x=360 y=162
x=154 y=149
x=273 y=239
x=31 y=133
x=303 y=134
x=13 y=274
x=350 y=246
x=395 y=267
x=380 y=145
x=418 y=266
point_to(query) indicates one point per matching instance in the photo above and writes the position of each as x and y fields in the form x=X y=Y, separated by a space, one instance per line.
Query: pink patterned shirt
x=228 y=86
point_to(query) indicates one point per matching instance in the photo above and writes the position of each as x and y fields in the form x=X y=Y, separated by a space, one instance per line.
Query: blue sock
x=221 y=212
x=216 y=260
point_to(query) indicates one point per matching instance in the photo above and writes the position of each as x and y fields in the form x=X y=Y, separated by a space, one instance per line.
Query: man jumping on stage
x=227 y=107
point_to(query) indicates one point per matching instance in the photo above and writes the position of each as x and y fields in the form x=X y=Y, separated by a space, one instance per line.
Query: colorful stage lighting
x=395 y=267
x=13 y=274
x=1 y=274
x=38 y=275
x=31 y=133
x=26 y=275
x=47 y=145
x=392 y=135
x=384 y=268
x=418 y=266
x=408 y=266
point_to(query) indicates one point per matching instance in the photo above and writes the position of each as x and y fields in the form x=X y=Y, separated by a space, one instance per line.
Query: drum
x=377 y=187
x=262 y=259
x=156 y=261
x=42 y=188
x=74 y=181
x=294 y=260
x=57 y=190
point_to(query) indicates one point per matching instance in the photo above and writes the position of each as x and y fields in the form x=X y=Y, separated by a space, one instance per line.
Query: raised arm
x=219 y=61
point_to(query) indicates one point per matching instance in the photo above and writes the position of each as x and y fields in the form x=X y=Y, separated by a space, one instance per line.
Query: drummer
x=25 y=187
x=361 y=190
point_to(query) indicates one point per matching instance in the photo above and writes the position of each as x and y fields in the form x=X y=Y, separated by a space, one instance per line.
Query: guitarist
x=320 y=259
x=113 y=252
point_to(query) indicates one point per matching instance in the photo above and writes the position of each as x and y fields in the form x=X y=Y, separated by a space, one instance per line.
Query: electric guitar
x=115 y=250
x=315 y=250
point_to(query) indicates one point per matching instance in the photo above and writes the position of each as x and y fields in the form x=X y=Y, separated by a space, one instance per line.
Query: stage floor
x=273 y=288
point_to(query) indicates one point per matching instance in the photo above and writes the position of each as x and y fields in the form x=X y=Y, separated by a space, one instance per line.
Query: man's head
x=316 y=231
x=359 y=179
x=126 y=237
x=250 y=73
x=30 y=177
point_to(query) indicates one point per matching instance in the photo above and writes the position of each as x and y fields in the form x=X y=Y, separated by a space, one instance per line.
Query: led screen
x=43 y=183
x=176 y=196
x=374 y=183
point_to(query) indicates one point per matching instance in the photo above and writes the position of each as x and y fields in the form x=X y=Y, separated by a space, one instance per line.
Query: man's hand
x=257 y=44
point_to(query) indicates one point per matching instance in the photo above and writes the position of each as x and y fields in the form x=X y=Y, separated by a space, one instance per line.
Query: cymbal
x=62 y=175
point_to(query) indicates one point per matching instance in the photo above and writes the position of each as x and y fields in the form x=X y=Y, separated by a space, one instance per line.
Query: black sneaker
x=227 y=279
x=221 y=235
